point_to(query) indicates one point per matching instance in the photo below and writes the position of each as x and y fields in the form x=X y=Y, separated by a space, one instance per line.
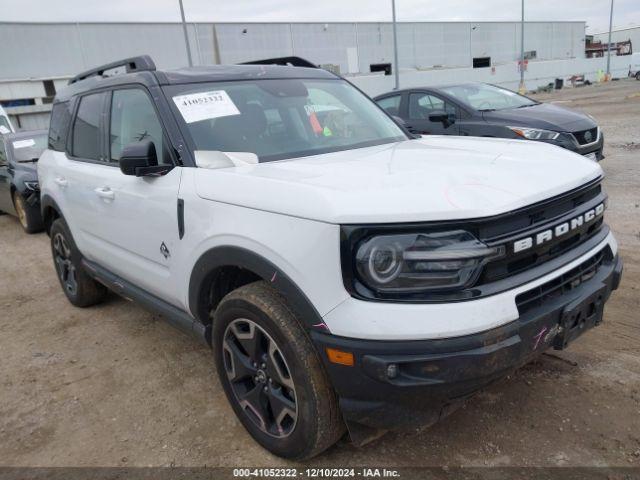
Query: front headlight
x=422 y=262
x=534 y=133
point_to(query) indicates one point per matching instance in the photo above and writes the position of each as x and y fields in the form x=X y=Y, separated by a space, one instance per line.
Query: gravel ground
x=114 y=385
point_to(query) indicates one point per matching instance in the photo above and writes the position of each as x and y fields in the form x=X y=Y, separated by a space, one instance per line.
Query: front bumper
x=399 y=384
x=568 y=141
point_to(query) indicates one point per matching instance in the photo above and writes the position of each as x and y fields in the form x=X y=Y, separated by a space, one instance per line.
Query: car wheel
x=28 y=216
x=637 y=75
x=272 y=375
x=81 y=290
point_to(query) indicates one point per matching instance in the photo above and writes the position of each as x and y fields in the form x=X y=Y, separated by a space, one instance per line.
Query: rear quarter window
x=59 y=126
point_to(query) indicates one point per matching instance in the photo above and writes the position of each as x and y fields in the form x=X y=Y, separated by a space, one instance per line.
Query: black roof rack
x=286 y=61
x=133 y=64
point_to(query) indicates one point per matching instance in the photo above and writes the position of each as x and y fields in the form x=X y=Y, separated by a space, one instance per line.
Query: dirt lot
x=115 y=386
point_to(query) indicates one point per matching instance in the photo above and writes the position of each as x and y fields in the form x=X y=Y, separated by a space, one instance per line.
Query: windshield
x=28 y=149
x=484 y=97
x=278 y=119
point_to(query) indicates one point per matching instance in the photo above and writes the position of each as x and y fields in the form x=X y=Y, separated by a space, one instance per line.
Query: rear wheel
x=272 y=375
x=81 y=290
x=638 y=75
x=28 y=216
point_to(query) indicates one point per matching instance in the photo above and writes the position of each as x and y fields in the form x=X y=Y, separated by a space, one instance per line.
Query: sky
x=594 y=12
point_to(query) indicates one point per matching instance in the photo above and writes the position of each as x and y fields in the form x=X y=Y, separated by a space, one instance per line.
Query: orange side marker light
x=340 y=357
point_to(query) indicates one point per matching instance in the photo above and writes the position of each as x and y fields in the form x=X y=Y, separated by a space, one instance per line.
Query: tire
x=272 y=375
x=637 y=75
x=81 y=290
x=28 y=216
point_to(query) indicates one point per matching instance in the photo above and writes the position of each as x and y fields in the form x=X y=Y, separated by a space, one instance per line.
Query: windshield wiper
x=32 y=160
x=487 y=110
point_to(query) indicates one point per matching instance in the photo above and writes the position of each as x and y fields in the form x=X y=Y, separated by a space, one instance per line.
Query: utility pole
x=522 y=88
x=396 y=67
x=186 y=35
x=608 y=77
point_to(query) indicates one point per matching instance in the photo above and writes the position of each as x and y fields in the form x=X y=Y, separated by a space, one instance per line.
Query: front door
x=421 y=105
x=131 y=222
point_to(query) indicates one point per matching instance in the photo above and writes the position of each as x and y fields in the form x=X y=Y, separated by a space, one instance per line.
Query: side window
x=421 y=105
x=86 y=128
x=59 y=126
x=391 y=104
x=3 y=154
x=134 y=119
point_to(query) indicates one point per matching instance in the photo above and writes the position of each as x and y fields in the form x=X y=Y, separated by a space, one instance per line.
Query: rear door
x=131 y=222
x=421 y=105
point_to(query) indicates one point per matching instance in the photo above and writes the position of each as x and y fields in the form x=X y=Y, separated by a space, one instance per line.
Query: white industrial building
x=38 y=58
x=621 y=35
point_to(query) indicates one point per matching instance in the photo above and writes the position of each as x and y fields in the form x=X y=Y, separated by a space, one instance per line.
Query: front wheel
x=638 y=75
x=272 y=375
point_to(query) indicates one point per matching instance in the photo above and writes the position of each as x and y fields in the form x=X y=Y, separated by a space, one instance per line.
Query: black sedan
x=19 y=190
x=483 y=110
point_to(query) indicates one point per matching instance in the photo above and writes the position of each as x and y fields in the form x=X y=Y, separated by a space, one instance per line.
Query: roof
x=222 y=73
x=429 y=87
x=94 y=79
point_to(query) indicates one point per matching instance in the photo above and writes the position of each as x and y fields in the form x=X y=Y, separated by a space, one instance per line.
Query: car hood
x=434 y=178
x=544 y=115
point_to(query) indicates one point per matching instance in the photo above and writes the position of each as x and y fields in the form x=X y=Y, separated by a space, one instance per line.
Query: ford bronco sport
x=348 y=276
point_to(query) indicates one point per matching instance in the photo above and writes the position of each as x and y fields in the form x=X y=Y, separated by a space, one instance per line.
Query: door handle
x=105 y=193
x=61 y=182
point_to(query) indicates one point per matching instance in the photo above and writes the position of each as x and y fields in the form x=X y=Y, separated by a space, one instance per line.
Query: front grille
x=586 y=136
x=537 y=219
x=559 y=286
x=527 y=218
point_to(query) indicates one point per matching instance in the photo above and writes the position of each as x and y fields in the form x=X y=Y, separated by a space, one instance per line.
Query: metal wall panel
x=244 y=42
x=52 y=50
x=442 y=44
x=104 y=43
x=30 y=50
x=375 y=44
x=495 y=40
x=324 y=42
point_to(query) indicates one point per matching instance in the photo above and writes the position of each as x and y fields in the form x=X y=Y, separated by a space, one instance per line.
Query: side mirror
x=140 y=159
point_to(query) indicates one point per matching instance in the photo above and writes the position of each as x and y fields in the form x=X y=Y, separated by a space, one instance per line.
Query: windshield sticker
x=205 y=105
x=30 y=142
x=4 y=129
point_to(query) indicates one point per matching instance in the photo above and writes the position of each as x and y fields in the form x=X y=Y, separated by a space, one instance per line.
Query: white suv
x=345 y=273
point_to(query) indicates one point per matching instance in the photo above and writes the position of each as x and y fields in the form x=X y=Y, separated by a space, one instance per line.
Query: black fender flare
x=230 y=256
x=46 y=203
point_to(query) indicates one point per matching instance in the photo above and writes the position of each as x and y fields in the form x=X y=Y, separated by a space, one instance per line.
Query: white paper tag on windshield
x=30 y=142
x=205 y=105
x=4 y=129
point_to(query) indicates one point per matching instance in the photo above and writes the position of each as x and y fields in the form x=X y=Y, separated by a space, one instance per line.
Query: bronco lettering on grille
x=559 y=230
